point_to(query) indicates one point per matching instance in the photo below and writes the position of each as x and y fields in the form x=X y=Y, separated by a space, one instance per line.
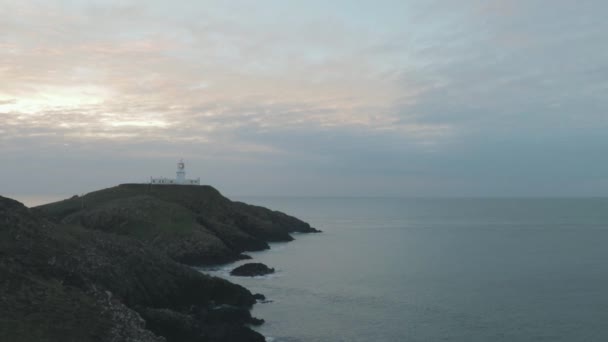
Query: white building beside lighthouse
x=180 y=178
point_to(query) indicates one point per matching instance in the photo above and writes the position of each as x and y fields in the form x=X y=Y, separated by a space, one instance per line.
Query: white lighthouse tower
x=181 y=172
x=179 y=179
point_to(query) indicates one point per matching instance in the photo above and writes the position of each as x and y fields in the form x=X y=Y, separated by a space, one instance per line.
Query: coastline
x=100 y=251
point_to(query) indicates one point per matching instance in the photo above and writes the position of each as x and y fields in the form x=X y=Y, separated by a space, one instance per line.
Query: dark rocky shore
x=111 y=265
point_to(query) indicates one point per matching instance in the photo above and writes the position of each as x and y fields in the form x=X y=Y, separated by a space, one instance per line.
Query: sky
x=407 y=98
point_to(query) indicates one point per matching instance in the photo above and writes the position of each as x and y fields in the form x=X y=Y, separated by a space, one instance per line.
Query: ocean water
x=437 y=270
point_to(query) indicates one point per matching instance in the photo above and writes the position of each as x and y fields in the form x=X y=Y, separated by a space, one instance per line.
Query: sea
x=466 y=270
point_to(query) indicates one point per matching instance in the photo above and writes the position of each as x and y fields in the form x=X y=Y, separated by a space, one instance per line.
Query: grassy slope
x=81 y=269
x=192 y=224
x=64 y=282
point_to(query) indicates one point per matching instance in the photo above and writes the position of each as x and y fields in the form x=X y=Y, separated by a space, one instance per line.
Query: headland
x=112 y=265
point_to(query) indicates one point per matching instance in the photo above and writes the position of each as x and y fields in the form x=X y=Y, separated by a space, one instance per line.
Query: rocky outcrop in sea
x=252 y=270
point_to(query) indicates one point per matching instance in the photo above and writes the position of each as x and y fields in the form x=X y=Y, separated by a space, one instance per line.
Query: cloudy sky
x=308 y=98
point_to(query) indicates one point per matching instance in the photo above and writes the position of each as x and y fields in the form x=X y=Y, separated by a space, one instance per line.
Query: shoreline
x=118 y=239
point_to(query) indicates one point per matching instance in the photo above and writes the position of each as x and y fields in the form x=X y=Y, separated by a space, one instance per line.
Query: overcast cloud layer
x=376 y=98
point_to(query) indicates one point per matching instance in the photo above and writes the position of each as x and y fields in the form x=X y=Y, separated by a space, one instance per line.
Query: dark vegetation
x=194 y=225
x=108 y=266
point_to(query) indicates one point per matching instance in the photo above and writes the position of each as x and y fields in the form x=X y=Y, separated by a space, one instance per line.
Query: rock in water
x=252 y=270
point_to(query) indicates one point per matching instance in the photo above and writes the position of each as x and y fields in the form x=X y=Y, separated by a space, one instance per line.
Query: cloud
x=392 y=89
x=7 y=102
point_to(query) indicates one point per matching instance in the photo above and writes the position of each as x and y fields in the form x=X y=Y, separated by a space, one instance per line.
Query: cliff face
x=194 y=225
x=107 y=266
x=62 y=282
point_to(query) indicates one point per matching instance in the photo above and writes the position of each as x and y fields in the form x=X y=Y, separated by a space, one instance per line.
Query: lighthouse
x=181 y=172
x=180 y=178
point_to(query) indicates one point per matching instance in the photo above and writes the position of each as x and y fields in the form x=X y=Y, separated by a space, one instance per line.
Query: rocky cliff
x=107 y=266
x=194 y=225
